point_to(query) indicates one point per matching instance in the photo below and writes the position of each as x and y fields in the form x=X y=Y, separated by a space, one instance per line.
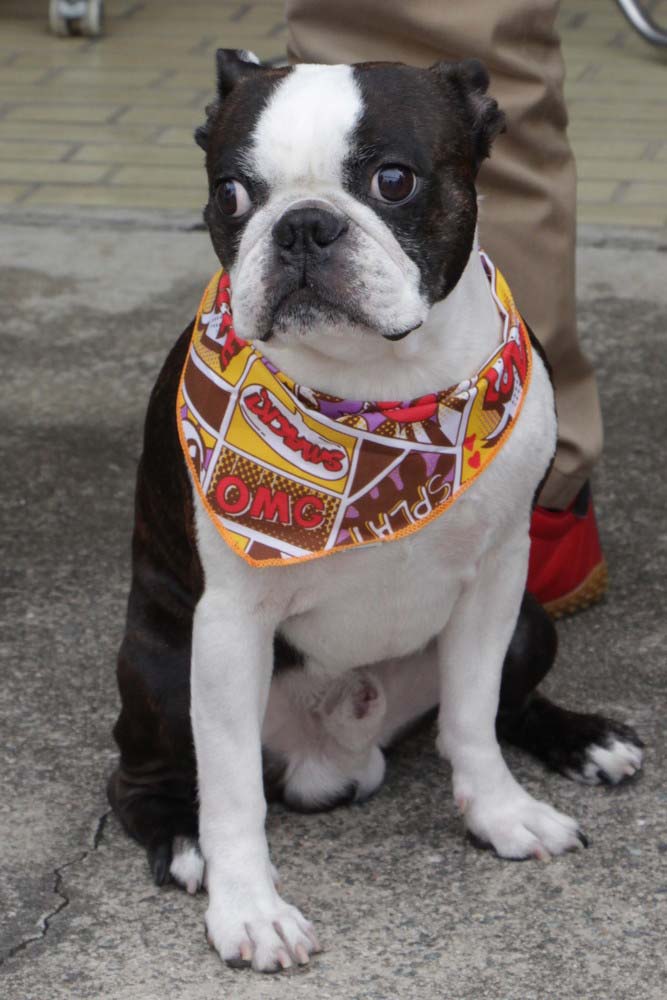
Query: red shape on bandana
x=474 y=460
x=421 y=409
x=231 y=347
x=468 y=443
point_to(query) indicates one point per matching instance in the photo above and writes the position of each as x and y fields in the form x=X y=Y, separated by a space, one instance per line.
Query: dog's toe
x=272 y=940
x=609 y=763
x=520 y=826
x=187 y=866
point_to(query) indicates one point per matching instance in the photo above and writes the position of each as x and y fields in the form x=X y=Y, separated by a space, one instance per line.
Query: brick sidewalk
x=109 y=123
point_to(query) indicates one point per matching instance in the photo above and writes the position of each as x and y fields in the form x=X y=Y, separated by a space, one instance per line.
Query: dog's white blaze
x=303 y=133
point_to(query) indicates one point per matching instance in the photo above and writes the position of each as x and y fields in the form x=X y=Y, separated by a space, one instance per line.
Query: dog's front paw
x=518 y=826
x=270 y=937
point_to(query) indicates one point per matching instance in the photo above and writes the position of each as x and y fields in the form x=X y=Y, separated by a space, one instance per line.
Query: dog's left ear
x=231 y=66
x=470 y=80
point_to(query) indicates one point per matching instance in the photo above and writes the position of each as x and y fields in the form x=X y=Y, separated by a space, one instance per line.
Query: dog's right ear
x=231 y=65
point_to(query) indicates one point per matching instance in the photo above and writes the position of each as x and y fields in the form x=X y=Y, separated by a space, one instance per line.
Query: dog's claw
x=582 y=838
x=284 y=961
x=301 y=955
x=159 y=859
x=314 y=939
x=238 y=963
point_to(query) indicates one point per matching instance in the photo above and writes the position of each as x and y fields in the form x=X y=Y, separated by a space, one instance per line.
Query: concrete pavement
x=404 y=906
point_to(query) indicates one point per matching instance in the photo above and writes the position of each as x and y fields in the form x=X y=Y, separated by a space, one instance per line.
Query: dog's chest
x=385 y=601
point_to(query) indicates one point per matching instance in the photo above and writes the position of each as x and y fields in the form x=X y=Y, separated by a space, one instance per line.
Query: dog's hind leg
x=152 y=791
x=320 y=739
x=588 y=748
x=323 y=738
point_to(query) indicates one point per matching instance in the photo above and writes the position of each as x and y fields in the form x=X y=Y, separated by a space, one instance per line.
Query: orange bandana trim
x=288 y=473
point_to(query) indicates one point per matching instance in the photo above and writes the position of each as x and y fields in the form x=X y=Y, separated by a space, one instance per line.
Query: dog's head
x=343 y=197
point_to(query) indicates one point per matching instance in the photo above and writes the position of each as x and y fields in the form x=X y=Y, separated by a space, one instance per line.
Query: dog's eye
x=232 y=198
x=393 y=183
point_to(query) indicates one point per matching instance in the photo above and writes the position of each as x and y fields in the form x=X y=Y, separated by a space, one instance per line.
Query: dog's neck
x=460 y=332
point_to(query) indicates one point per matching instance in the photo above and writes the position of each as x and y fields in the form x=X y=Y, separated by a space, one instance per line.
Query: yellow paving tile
x=10 y=194
x=636 y=170
x=78 y=113
x=619 y=111
x=58 y=93
x=110 y=76
x=16 y=150
x=646 y=194
x=629 y=72
x=109 y=54
x=160 y=176
x=107 y=196
x=138 y=153
x=161 y=116
x=16 y=33
x=67 y=173
x=621 y=215
x=596 y=191
x=607 y=91
x=611 y=149
x=75 y=133
x=200 y=76
x=179 y=134
x=609 y=128
x=10 y=75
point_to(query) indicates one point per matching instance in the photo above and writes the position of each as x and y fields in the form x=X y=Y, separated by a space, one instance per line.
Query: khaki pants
x=527 y=215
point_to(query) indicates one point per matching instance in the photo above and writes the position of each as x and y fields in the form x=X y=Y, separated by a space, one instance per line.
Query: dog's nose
x=308 y=230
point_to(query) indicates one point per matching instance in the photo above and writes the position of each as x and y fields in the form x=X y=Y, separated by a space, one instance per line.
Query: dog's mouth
x=301 y=309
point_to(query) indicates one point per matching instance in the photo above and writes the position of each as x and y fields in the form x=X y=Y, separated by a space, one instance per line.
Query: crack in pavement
x=44 y=921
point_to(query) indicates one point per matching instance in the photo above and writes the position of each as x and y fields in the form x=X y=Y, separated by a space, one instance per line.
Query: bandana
x=288 y=473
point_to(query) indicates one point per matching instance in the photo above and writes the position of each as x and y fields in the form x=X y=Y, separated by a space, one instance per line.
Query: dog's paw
x=270 y=938
x=617 y=757
x=188 y=868
x=187 y=864
x=518 y=826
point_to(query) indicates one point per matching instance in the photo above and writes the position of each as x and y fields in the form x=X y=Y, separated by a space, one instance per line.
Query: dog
x=342 y=205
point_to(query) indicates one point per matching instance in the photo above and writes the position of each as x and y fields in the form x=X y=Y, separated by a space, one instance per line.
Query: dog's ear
x=231 y=65
x=470 y=81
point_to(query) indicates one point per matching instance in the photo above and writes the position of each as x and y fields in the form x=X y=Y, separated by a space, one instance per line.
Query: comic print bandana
x=288 y=473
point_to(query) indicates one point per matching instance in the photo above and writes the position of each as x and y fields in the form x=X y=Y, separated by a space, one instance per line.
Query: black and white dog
x=240 y=683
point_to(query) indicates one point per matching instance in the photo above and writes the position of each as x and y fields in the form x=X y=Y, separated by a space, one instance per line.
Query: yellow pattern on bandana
x=288 y=473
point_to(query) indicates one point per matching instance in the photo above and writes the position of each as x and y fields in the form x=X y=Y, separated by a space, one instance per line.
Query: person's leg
x=527 y=215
